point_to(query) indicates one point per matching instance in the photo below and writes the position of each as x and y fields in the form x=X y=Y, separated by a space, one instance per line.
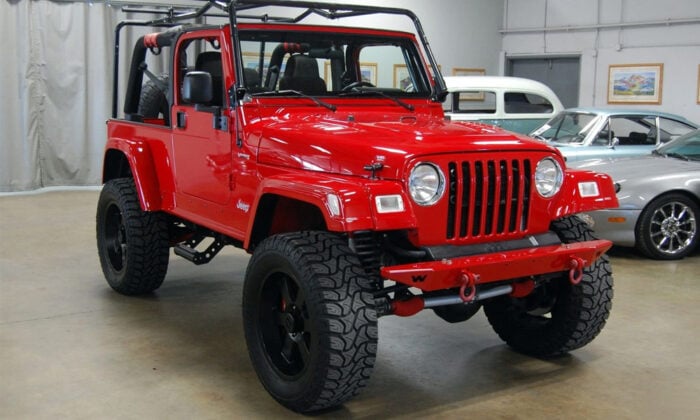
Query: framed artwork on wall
x=369 y=72
x=635 y=83
x=327 y=72
x=402 y=80
x=463 y=71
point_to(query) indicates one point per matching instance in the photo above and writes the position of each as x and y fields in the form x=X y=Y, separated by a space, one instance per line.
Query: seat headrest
x=251 y=78
x=209 y=61
x=301 y=66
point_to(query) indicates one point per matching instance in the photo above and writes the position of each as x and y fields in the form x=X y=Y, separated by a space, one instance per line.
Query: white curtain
x=55 y=90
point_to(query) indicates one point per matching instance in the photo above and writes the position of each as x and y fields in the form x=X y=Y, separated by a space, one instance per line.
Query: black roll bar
x=232 y=9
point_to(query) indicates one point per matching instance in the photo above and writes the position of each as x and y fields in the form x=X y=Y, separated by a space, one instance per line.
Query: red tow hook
x=576 y=271
x=468 y=280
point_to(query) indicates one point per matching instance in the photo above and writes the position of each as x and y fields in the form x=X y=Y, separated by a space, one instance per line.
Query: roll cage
x=235 y=11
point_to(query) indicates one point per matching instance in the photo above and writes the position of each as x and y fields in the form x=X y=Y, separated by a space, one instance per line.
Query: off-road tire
x=132 y=244
x=668 y=227
x=154 y=102
x=309 y=320
x=558 y=317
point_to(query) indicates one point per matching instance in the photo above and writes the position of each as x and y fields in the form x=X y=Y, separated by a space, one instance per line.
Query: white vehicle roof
x=502 y=82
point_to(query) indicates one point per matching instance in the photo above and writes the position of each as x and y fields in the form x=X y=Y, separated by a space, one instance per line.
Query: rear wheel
x=132 y=244
x=558 y=316
x=668 y=228
x=309 y=320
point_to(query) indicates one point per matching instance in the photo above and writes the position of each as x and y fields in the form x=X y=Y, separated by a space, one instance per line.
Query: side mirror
x=614 y=143
x=197 y=88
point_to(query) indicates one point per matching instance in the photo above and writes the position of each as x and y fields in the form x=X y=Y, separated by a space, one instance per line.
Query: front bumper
x=497 y=266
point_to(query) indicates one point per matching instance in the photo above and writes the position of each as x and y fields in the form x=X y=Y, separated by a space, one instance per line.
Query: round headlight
x=426 y=184
x=548 y=177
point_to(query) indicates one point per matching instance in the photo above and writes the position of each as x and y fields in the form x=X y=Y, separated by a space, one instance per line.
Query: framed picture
x=635 y=83
x=463 y=71
x=369 y=72
x=327 y=72
x=469 y=96
x=402 y=80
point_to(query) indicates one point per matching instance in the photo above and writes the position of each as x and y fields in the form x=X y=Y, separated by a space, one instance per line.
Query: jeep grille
x=488 y=197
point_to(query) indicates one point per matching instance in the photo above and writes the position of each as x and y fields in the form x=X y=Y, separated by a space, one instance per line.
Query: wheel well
x=278 y=214
x=687 y=194
x=116 y=165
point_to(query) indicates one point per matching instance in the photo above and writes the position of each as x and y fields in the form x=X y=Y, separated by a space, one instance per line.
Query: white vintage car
x=512 y=103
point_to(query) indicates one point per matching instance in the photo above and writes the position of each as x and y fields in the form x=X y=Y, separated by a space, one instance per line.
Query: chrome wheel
x=673 y=227
x=667 y=228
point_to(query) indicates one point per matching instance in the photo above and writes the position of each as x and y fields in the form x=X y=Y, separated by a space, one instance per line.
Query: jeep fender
x=346 y=205
x=141 y=165
x=577 y=194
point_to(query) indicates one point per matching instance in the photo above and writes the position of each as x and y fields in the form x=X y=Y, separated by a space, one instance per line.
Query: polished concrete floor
x=71 y=348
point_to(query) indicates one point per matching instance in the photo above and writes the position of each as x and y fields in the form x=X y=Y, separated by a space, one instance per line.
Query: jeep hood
x=344 y=143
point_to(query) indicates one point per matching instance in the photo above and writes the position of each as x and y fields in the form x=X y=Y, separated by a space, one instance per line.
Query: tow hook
x=468 y=280
x=576 y=271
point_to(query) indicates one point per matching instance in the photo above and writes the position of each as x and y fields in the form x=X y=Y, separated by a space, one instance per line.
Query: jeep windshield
x=332 y=64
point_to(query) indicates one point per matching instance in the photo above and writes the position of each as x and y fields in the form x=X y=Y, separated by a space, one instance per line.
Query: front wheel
x=558 y=316
x=309 y=320
x=668 y=228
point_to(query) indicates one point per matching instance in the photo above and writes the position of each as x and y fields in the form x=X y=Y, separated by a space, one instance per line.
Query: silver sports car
x=659 y=197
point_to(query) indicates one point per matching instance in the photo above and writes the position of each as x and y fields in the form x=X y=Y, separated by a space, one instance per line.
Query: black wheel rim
x=115 y=238
x=284 y=325
x=542 y=303
x=673 y=228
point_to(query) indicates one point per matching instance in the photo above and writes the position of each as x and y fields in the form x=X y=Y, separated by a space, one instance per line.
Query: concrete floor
x=72 y=348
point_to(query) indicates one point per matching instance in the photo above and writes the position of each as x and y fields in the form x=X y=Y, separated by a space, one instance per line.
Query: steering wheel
x=353 y=85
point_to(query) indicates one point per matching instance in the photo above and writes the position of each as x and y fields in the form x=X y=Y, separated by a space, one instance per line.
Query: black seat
x=637 y=138
x=301 y=73
x=251 y=79
x=210 y=61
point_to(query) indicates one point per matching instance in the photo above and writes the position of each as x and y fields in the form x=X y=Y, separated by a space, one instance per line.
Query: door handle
x=181 y=119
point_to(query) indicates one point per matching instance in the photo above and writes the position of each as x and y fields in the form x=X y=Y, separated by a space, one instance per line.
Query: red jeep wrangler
x=323 y=151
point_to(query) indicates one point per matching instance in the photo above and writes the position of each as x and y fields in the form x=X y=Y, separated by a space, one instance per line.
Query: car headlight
x=426 y=184
x=548 y=177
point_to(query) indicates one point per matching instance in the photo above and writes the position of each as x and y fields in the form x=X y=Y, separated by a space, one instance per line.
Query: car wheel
x=558 y=316
x=132 y=244
x=668 y=227
x=309 y=320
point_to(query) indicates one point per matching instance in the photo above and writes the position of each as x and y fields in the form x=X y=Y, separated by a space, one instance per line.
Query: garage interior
x=70 y=347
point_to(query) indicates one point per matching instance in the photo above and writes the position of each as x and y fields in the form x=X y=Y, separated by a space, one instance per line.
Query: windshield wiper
x=398 y=101
x=298 y=93
x=678 y=156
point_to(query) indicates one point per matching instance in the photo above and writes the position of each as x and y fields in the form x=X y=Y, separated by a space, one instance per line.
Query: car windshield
x=685 y=147
x=287 y=63
x=566 y=127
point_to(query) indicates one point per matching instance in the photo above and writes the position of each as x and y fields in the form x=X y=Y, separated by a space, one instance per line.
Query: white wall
x=461 y=33
x=562 y=27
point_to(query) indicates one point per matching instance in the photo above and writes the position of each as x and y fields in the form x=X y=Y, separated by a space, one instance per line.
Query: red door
x=201 y=148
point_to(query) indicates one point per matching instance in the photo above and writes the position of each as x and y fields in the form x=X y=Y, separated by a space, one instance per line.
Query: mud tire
x=309 y=320
x=132 y=244
x=558 y=317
